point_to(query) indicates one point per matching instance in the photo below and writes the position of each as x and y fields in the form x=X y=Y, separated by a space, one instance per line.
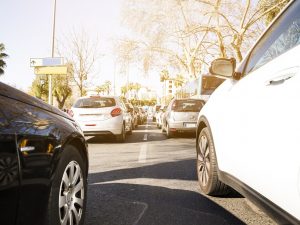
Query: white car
x=181 y=116
x=159 y=115
x=248 y=133
x=102 y=115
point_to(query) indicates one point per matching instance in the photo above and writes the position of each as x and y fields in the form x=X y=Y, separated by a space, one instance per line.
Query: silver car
x=181 y=116
x=102 y=115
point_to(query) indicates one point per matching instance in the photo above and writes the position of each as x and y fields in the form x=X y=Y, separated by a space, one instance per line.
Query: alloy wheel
x=71 y=195
x=203 y=159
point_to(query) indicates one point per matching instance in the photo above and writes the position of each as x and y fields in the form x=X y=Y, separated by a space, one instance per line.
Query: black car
x=43 y=163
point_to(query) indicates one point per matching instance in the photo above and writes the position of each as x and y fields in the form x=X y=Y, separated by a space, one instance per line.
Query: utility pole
x=50 y=99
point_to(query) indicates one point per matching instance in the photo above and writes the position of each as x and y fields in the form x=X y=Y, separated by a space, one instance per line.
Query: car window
x=281 y=37
x=209 y=84
x=94 y=102
x=187 y=105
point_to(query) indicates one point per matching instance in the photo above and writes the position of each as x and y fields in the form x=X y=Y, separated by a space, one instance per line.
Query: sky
x=26 y=32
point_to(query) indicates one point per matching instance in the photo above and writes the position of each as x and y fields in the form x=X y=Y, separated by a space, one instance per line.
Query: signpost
x=50 y=66
x=48 y=61
x=53 y=70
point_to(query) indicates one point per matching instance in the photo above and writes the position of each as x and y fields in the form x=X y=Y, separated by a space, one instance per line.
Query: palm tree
x=2 y=56
x=107 y=85
x=99 y=89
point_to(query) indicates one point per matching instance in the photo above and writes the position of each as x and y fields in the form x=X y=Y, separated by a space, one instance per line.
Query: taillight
x=70 y=112
x=116 y=112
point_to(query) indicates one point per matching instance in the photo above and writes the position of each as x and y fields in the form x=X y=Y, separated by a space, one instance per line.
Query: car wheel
x=169 y=133
x=121 y=137
x=67 y=200
x=207 y=169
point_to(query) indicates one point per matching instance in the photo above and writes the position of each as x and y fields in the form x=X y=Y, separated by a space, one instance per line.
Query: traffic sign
x=51 y=70
x=48 y=61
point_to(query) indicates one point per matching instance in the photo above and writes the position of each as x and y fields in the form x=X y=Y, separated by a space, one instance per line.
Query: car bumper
x=111 y=126
x=183 y=126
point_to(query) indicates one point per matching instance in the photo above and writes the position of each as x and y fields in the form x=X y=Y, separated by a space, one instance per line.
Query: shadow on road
x=177 y=170
x=119 y=203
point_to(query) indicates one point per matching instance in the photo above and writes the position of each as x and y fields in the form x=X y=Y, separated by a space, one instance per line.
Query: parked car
x=181 y=116
x=156 y=109
x=102 y=115
x=159 y=116
x=138 y=114
x=143 y=115
x=133 y=114
x=248 y=131
x=43 y=162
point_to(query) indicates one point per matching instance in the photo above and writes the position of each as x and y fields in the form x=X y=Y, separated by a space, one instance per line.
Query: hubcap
x=71 y=195
x=203 y=160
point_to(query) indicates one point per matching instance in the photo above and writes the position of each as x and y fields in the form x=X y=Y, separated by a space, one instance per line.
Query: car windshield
x=187 y=105
x=94 y=102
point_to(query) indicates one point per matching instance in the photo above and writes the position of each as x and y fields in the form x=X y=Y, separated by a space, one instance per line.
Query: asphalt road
x=152 y=180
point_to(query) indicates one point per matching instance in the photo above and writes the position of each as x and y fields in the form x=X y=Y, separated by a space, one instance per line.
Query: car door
x=37 y=137
x=9 y=167
x=264 y=116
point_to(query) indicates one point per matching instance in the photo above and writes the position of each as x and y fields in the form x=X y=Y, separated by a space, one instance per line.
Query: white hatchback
x=248 y=133
x=102 y=115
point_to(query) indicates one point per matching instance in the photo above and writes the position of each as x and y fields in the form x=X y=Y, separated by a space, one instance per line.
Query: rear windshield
x=187 y=105
x=94 y=102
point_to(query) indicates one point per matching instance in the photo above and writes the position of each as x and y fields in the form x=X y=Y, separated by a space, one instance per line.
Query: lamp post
x=50 y=99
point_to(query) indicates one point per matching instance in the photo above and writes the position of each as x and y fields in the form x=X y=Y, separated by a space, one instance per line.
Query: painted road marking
x=145 y=205
x=145 y=137
x=143 y=153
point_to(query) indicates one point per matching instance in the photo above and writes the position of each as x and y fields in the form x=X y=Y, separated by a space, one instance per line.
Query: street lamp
x=50 y=99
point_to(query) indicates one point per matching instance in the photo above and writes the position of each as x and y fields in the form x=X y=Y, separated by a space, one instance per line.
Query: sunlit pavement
x=152 y=180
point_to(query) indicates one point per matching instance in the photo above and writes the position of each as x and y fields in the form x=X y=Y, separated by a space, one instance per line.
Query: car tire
x=207 y=169
x=169 y=133
x=121 y=137
x=67 y=199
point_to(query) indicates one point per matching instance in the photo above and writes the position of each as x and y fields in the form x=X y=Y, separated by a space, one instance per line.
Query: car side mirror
x=223 y=67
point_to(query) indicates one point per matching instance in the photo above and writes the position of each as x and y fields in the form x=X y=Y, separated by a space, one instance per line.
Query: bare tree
x=82 y=53
x=185 y=35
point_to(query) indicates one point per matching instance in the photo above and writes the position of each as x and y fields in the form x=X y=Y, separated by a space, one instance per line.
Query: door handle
x=280 y=80
x=27 y=149
x=283 y=76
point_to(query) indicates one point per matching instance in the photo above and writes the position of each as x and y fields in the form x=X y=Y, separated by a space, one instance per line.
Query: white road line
x=145 y=137
x=143 y=153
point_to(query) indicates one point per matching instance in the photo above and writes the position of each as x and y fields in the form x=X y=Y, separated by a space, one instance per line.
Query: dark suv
x=43 y=163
